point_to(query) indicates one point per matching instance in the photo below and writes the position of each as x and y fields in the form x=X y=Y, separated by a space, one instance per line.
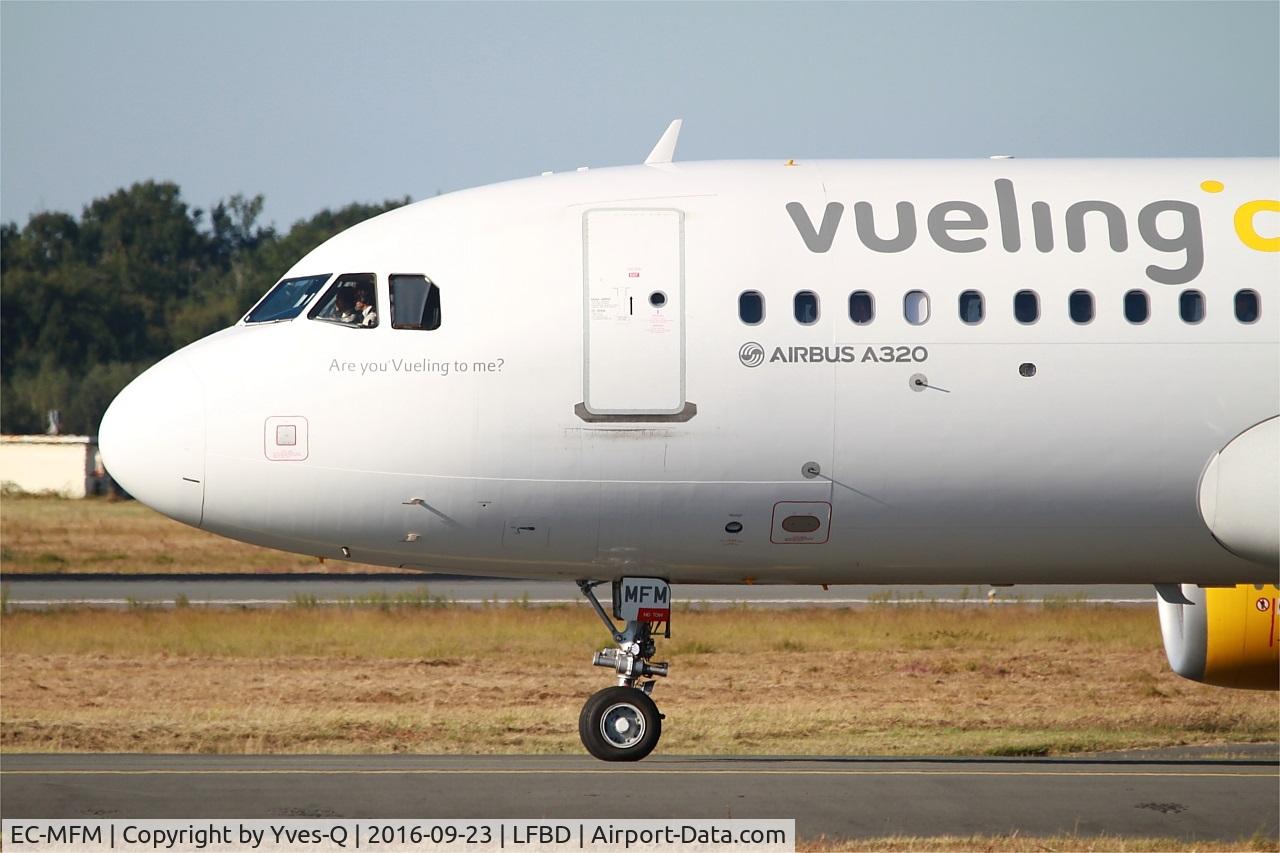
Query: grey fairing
x=1185 y=629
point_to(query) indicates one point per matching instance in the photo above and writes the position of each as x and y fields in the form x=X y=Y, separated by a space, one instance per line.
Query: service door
x=634 y=292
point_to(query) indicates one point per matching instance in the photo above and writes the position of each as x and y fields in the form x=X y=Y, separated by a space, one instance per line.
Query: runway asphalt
x=1214 y=793
x=278 y=590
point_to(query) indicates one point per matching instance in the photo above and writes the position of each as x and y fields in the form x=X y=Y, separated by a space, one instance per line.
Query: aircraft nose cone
x=152 y=440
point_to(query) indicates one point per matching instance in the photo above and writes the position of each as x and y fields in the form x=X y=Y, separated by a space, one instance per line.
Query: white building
x=66 y=465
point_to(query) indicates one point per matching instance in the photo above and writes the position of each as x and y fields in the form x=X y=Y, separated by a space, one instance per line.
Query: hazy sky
x=319 y=104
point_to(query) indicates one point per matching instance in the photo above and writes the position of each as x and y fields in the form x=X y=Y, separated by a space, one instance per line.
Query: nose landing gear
x=622 y=723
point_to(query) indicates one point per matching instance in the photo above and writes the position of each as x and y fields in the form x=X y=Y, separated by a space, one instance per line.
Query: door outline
x=685 y=410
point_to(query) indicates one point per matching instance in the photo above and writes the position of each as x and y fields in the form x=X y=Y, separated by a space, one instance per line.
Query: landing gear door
x=634 y=312
x=642 y=600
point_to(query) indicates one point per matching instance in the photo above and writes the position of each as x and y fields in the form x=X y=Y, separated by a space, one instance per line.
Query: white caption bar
x=396 y=836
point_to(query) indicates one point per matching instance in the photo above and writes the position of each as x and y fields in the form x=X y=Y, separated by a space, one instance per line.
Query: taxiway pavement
x=1218 y=793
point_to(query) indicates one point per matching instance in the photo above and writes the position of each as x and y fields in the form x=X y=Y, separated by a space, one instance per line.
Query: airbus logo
x=751 y=354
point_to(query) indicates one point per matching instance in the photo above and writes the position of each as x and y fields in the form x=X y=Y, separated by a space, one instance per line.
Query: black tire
x=609 y=720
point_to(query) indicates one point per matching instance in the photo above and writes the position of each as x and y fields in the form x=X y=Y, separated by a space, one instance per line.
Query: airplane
x=993 y=371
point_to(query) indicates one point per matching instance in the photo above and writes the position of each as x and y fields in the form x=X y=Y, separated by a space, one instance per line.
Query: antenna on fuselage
x=665 y=150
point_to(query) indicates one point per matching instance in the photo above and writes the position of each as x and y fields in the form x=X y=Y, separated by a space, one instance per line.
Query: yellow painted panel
x=1243 y=648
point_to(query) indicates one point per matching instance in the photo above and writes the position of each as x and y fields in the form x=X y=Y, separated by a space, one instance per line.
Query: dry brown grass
x=885 y=680
x=1018 y=844
x=43 y=534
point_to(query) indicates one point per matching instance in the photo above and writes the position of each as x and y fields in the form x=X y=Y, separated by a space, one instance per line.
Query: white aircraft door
x=634 y=312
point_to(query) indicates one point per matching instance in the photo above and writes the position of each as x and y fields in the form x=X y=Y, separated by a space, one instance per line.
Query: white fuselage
x=557 y=424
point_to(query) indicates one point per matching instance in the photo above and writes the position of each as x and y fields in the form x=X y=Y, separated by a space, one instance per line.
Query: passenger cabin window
x=287 y=299
x=1137 y=307
x=1026 y=306
x=806 y=305
x=971 y=308
x=351 y=301
x=915 y=307
x=1080 y=306
x=751 y=307
x=862 y=307
x=1248 y=306
x=1191 y=306
x=415 y=303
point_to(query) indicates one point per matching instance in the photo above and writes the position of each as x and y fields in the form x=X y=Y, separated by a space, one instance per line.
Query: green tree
x=90 y=303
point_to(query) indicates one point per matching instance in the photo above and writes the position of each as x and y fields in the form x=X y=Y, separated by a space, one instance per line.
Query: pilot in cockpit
x=365 y=306
x=344 y=307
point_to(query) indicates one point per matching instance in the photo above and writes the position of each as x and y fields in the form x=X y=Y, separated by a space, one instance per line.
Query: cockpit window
x=351 y=301
x=415 y=303
x=287 y=299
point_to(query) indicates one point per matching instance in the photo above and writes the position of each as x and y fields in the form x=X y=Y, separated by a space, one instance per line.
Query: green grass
x=424 y=676
x=392 y=626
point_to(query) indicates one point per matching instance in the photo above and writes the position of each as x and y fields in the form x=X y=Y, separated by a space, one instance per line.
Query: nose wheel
x=622 y=723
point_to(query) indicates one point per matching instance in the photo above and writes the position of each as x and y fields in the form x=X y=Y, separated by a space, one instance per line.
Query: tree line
x=87 y=304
